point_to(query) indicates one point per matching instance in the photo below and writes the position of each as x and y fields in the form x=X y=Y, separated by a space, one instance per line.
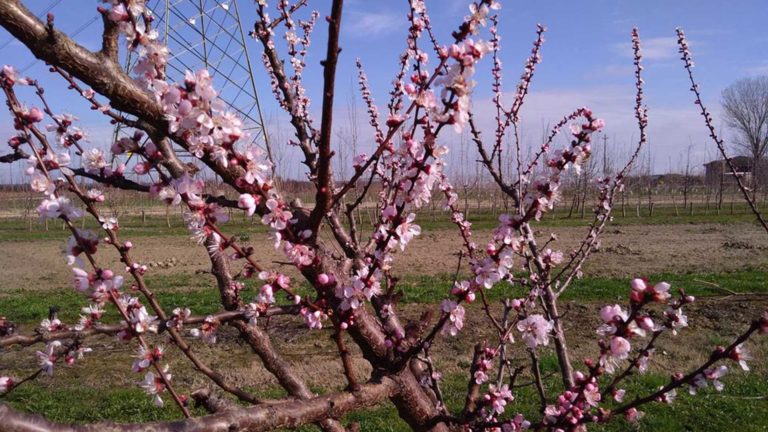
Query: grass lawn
x=742 y=406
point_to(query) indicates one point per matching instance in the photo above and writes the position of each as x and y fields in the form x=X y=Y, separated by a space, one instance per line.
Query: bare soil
x=625 y=251
x=714 y=321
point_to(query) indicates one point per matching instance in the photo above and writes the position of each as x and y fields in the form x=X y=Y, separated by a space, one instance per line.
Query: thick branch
x=286 y=414
x=324 y=172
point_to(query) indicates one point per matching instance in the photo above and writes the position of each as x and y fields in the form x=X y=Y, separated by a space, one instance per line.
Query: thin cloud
x=654 y=49
x=760 y=69
x=375 y=23
x=671 y=126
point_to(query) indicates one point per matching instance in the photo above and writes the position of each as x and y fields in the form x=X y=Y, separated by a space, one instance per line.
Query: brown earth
x=631 y=250
x=625 y=251
x=714 y=321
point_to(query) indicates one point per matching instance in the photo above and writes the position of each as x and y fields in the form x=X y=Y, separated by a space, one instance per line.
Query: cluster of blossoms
x=67 y=135
x=496 y=400
x=363 y=286
x=620 y=326
x=154 y=385
x=140 y=321
x=455 y=314
x=207 y=330
x=90 y=316
x=483 y=365
x=273 y=281
x=97 y=285
x=416 y=166
x=574 y=406
x=456 y=81
x=544 y=192
x=55 y=351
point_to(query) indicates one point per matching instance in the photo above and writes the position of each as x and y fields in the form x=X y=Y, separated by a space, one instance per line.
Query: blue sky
x=586 y=61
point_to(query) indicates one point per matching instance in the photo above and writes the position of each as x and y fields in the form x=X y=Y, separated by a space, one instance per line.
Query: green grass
x=431 y=289
x=125 y=405
x=738 y=408
x=16 y=229
x=198 y=293
x=192 y=291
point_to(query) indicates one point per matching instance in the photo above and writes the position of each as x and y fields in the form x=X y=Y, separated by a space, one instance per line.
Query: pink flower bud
x=323 y=279
x=34 y=115
x=637 y=285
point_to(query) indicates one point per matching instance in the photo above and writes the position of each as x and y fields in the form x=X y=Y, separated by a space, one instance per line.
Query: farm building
x=718 y=170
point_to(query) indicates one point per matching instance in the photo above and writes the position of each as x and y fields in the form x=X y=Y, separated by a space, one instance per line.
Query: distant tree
x=745 y=104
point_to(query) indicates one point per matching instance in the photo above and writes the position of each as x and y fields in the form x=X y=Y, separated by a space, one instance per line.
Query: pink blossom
x=147 y=357
x=178 y=317
x=86 y=242
x=313 y=319
x=632 y=415
x=208 y=329
x=142 y=322
x=407 y=230
x=47 y=358
x=714 y=374
x=668 y=397
x=464 y=291
x=536 y=330
x=52 y=325
x=34 y=115
x=487 y=273
x=81 y=279
x=552 y=258
x=620 y=347
x=154 y=385
x=247 y=202
x=613 y=313
x=277 y=217
x=498 y=398
x=675 y=319
x=94 y=160
x=54 y=207
x=95 y=195
x=6 y=384
x=41 y=183
x=455 y=317
x=740 y=355
x=618 y=395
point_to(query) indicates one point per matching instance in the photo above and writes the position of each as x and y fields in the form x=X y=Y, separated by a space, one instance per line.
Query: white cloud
x=653 y=49
x=671 y=128
x=759 y=69
x=375 y=23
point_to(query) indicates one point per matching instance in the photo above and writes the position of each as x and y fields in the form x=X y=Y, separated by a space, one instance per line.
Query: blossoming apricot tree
x=354 y=292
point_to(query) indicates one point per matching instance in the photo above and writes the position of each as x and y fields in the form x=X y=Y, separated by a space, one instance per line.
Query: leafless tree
x=745 y=105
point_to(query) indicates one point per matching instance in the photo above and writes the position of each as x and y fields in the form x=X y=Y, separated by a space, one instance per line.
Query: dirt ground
x=714 y=321
x=625 y=251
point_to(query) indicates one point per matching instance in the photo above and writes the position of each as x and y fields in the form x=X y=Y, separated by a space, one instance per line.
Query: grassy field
x=194 y=292
x=17 y=229
x=741 y=406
